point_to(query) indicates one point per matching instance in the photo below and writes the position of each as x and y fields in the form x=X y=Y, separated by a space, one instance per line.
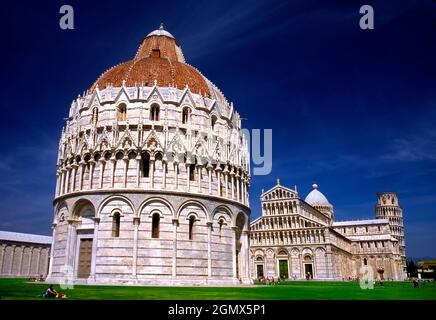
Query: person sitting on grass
x=52 y=293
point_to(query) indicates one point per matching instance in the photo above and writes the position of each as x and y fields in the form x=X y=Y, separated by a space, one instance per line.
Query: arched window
x=154 y=112
x=221 y=224
x=122 y=112
x=186 y=114
x=192 y=168
x=191 y=227
x=365 y=262
x=158 y=165
x=145 y=159
x=116 y=225
x=213 y=122
x=155 y=226
x=119 y=155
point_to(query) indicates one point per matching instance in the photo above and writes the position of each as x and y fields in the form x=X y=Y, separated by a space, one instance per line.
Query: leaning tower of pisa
x=389 y=208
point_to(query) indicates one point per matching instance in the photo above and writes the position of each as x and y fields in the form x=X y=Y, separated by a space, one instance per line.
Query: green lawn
x=11 y=289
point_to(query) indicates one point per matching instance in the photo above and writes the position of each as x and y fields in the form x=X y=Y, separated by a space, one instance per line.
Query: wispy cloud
x=416 y=147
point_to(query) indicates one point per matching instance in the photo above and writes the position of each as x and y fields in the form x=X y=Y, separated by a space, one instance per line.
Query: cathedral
x=299 y=238
x=152 y=178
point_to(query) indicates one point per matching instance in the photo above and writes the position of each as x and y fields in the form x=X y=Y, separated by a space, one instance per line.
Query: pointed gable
x=279 y=192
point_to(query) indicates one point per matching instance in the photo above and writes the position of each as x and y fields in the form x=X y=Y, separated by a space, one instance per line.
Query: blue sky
x=351 y=110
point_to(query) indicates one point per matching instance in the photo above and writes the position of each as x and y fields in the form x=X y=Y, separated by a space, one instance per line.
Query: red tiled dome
x=158 y=58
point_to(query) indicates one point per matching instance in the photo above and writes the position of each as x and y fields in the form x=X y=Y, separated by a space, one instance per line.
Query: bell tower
x=389 y=208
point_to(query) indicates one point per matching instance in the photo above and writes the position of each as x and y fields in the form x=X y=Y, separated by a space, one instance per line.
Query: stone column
x=164 y=178
x=136 y=221
x=61 y=188
x=209 y=171
x=226 y=180
x=199 y=177
x=113 y=161
x=67 y=185
x=218 y=170
x=68 y=245
x=238 y=188
x=209 y=249
x=38 y=260
x=246 y=254
x=20 y=261
x=29 y=268
x=176 y=175
x=152 y=172
x=395 y=271
x=56 y=188
x=244 y=198
x=74 y=166
x=234 y=229
x=138 y=169
x=94 y=248
x=100 y=182
x=91 y=173
x=174 y=266
x=329 y=263
x=126 y=167
x=52 y=247
x=11 y=261
x=2 y=255
x=82 y=167
x=188 y=176
x=232 y=176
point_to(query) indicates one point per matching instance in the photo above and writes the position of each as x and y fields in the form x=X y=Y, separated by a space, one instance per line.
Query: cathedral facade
x=299 y=238
x=152 y=178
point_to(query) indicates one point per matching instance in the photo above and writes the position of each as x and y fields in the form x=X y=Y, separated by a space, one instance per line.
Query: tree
x=411 y=268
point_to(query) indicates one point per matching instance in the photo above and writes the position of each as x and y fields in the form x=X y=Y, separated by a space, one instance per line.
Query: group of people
x=272 y=280
x=269 y=280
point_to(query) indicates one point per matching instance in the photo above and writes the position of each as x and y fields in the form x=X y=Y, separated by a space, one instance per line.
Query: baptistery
x=152 y=178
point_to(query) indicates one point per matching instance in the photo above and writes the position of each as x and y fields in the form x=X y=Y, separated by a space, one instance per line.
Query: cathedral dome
x=316 y=198
x=159 y=58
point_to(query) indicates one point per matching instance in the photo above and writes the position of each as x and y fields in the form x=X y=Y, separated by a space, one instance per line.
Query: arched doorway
x=283 y=264
x=83 y=214
x=308 y=266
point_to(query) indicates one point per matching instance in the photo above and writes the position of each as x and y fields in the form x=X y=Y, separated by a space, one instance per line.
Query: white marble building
x=298 y=237
x=24 y=255
x=152 y=178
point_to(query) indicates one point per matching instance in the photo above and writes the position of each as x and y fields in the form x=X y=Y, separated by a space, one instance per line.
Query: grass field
x=13 y=289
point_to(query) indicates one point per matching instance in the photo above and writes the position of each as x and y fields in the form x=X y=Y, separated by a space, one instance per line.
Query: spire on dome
x=160 y=32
